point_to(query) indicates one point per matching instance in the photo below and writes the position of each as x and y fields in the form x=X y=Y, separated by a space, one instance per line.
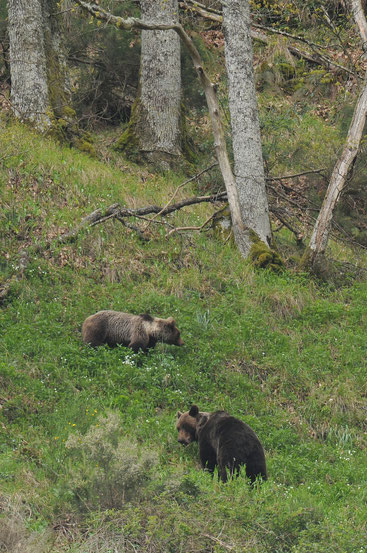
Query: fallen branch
x=219 y=542
x=298 y=234
x=178 y=229
x=181 y=186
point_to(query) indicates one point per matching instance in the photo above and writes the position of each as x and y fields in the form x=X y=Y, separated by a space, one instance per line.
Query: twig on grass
x=178 y=188
x=178 y=229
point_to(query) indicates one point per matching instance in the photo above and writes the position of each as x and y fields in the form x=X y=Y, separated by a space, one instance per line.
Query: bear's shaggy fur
x=224 y=441
x=134 y=331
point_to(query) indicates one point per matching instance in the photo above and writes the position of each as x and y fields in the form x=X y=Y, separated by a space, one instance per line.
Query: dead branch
x=313 y=171
x=181 y=186
x=142 y=218
x=316 y=58
x=288 y=35
x=220 y=542
x=297 y=233
x=177 y=229
x=135 y=229
x=209 y=9
x=90 y=219
x=202 y=10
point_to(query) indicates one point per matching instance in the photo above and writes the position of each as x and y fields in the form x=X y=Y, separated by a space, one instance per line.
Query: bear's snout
x=184 y=437
x=180 y=342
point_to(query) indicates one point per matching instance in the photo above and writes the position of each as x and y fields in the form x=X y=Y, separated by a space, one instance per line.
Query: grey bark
x=321 y=231
x=40 y=89
x=159 y=106
x=57 y=70
x=360 y=19
x=29 y=88
x=247 y=151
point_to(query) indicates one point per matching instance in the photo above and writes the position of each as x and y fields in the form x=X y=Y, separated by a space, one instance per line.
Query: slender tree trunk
x=360 y=19
x=156 y=117
x=247 y=151
x=29 y=87
x=320 y=234
x=321 y=231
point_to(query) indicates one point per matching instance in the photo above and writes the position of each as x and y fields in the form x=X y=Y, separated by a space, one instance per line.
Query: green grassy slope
x=89 y=460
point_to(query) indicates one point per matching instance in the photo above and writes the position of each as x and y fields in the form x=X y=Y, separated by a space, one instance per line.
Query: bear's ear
x=179 y=414
x=171 y=321
x=194 y=411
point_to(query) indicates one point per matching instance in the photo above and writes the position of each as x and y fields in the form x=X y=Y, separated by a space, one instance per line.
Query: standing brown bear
x=224 y=441
x=134 y=331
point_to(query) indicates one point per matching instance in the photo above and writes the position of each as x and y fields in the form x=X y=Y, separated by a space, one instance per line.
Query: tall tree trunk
x=57 y=71
x=247 y=151
x=40 y=91
x=320 y=234
x=156 y=118
x=29 y=87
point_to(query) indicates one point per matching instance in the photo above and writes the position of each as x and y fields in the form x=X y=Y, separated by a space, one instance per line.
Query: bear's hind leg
x=94 y=332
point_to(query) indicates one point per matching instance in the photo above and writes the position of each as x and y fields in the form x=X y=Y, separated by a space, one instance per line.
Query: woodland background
x=89 y=460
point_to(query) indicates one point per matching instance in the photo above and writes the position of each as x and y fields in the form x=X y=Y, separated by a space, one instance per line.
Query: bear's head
x=170 y=333
x=189 y=424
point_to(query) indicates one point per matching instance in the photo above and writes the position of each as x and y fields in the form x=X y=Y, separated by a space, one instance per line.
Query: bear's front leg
x=208 y=456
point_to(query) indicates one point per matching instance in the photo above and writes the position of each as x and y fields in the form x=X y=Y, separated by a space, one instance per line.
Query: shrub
x=110 y=469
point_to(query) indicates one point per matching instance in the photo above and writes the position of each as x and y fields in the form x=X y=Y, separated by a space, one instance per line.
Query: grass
x=282 y=352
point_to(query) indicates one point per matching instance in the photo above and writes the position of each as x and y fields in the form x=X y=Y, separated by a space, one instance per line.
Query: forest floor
x=89 y=459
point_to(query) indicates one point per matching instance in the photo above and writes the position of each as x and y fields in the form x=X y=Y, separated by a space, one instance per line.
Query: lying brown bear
x=134 y=331
x=224 y=441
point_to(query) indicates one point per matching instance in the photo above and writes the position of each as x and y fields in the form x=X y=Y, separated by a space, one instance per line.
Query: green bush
x=107 y=469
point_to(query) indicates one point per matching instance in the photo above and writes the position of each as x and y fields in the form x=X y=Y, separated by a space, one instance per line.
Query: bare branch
x=177 y=229
x=288 y=35
x=181 y=186
x=313 y=171
x=316 y=57
x=297 y=233
x=202 y=10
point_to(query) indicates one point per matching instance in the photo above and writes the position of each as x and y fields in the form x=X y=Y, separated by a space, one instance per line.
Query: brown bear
x=224 y=441
x=134 y=331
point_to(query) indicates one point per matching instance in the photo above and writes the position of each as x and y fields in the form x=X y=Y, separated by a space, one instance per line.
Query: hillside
x=89 y=459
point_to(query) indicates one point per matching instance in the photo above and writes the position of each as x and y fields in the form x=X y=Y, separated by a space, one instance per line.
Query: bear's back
x=120 y=326
x=234 y=439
